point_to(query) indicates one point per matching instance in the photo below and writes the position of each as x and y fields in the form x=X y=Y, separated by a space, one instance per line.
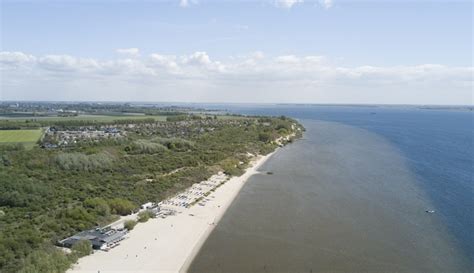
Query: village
x=72 y=135
x=62 y=138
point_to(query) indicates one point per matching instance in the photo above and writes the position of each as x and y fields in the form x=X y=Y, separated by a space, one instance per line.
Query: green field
x=107 y=118
x=27 y=137
x=227 y=117
x=89 y=117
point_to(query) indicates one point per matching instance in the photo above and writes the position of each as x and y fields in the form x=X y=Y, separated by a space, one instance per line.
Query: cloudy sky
x=301 y=51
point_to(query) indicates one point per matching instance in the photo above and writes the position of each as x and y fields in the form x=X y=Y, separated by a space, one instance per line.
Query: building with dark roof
x=99 y=238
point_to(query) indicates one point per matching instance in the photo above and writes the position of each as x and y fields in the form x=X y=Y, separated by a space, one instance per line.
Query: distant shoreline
x=171 y=103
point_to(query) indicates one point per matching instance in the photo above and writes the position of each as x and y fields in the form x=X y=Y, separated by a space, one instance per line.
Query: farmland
x=108 y=118
x=27 y=137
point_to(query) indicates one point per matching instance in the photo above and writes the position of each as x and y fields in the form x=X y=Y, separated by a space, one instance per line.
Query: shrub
x=82 y=162
x=231 y=167
x=129 y=224
x=175 y=143
x=146 y=147
x=98 y=205
x=121 y=206
x=45 y=260
x=82 y=248
x=145 y=215
x=264 y=137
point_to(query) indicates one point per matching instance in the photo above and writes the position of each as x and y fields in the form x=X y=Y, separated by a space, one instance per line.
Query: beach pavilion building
x=100 y=238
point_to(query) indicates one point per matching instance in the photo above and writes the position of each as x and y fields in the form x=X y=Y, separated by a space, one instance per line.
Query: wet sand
x=340 y=200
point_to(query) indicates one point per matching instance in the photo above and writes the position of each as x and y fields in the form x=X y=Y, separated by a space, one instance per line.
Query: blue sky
x=392 y=37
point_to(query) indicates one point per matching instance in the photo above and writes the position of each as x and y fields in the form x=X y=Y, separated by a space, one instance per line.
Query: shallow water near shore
x=342 y=199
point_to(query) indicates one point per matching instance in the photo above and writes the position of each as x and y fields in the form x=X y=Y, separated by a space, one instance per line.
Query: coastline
x=169 y=244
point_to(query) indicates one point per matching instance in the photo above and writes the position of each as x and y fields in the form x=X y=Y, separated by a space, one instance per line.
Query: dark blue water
x=437 y=144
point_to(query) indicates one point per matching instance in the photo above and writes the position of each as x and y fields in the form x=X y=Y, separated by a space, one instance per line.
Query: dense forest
x=49 y=194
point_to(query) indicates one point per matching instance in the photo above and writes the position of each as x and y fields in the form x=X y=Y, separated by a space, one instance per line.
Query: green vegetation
x=82 y=248
x=82 y=162
x=52 y=193
x=98 y=118
x=144 y=216
x=130 y=224
x=46 y=259
x=177 y=144
x=25 y=137
x=231 y=166
x=121 y=206
x=145 y=147
x=15 y=136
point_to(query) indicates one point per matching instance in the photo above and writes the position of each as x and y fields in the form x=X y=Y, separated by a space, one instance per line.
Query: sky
x=262 y=51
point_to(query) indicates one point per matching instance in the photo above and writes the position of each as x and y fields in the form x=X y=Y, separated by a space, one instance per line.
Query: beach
x=169 y=244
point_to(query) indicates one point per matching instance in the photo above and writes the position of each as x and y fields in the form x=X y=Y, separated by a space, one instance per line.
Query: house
x=147 y=205
x=100 y=238
x=49 y=146
x=112 y=130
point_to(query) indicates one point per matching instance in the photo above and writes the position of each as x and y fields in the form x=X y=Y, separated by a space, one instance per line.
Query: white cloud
x=201 y=63
x=132 y=52
x=16 y=58
x=287 y=3
x=243 y=78
x=326 y=3
x=199 y=58
x=288 y=59
x=184 y=3
x=258 y=55
x=187 y=3
x=65 y=63
x=166 y=62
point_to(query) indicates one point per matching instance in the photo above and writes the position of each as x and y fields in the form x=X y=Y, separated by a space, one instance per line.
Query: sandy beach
x=169 y=244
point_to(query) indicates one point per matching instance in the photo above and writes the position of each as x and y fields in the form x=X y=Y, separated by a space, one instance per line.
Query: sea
x=367 y=189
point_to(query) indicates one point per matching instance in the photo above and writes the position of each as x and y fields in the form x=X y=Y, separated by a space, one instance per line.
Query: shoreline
x=169 y=244
x=242 y=179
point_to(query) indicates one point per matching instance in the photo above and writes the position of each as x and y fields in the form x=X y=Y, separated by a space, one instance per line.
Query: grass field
x=227 y=117
x=27 y=137
x=90 y=117
x=106 y=118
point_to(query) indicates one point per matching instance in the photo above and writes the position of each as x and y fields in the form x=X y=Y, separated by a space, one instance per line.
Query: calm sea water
x=351 y=196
